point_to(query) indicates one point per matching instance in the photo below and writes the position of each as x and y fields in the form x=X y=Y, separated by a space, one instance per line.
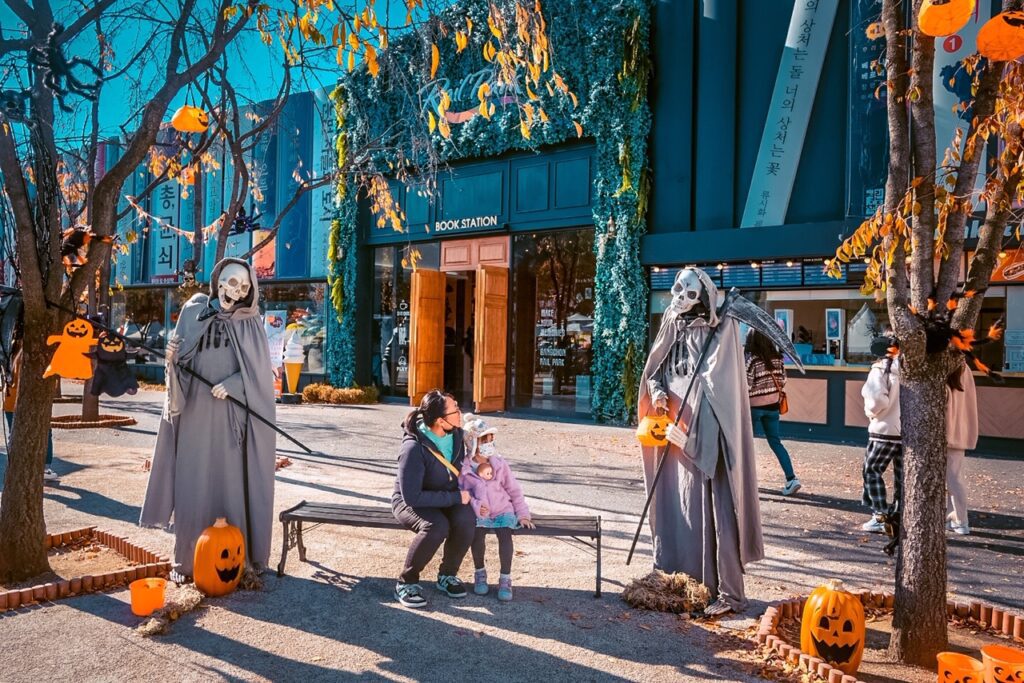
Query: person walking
x=427 y=498
x=11 y=399
x=881 y=393
x=766 y=377
x=961 y=436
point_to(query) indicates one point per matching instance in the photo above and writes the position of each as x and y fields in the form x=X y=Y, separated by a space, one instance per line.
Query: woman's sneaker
x=410 y=595
x=961 y=529
x=50 y=477
x=791 y=487
x=451 y=586
x=480 y=582
x=504 y=588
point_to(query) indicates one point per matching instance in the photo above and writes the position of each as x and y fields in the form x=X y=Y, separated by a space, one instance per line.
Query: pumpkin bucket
x=1003 y=664
x=147 y=596
x=954 y=666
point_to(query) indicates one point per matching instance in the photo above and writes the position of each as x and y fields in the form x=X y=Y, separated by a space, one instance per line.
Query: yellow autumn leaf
x=469 y=26
x=491 y=110
x=529 y=93
x=351 y=60
x=483 y=91
x=484 y=111
x=383 y=32
x=494 y=27
x=543 y=115
x=431 y=121
x=524 y=129
x=528 y=110
x=341 y=54
x=371 y=61
x=579 y=129
x=357 y=23
x=444 y=129
x=435 y=59
x=489 y=51
x=575 y=102
x=353 y=41
x=446 y=102
x=461 y=41
x=550 y=90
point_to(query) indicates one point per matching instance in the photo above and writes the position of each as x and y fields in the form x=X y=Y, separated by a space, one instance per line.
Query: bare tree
x=915 y=247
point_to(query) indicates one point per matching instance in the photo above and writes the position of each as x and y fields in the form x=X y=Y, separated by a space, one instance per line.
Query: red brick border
x=104 y=421
x=149 y=565
x=985 y=615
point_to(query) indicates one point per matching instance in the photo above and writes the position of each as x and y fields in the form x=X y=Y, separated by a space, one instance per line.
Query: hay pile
x=661 y=592
x=184 y=599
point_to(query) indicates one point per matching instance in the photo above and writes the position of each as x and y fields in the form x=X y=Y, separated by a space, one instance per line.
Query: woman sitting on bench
x=427 y=498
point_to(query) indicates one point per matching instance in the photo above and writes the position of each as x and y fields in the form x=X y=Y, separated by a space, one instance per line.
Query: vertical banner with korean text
x=868 y=143
x=789 y=113
x=325 y=161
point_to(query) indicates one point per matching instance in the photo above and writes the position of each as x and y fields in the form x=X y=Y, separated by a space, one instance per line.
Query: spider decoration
x=57 y=68
x=940 y=333
x=245 y=223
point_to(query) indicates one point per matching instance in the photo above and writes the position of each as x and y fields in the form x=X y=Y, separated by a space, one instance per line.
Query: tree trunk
x=22 y=527
x=919 y=620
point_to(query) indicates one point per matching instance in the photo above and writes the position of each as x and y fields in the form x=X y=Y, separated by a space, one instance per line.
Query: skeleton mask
x=233 y=285
x=686 y=290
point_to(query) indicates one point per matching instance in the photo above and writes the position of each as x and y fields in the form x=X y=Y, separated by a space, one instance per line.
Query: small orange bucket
x=954 y=666
x=1003 y=663
x=147 y=596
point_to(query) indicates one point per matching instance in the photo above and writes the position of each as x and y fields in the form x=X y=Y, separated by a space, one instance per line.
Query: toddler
x=497 y=500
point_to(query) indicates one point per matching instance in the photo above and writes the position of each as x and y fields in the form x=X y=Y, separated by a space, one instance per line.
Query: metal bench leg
x=284 y=549
x=302 y=546
x=597 y=593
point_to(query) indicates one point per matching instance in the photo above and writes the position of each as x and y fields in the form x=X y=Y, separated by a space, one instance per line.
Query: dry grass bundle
x=184 y=599
x=661 y=592
x=325 y=393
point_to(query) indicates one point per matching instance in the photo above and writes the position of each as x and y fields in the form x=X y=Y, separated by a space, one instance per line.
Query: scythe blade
x=746 y=311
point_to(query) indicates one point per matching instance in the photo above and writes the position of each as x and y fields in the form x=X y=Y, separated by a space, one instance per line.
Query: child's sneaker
x=451 y=586
x=50 y=477
x=480 y=582
x=874 y=525
x=505 y=587
x=409 y=594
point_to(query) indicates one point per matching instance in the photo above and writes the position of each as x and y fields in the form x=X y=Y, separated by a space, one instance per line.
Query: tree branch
x=299 y=191
x=92 y=14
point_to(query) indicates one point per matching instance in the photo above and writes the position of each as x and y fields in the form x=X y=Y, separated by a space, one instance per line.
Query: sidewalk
x=334 y=617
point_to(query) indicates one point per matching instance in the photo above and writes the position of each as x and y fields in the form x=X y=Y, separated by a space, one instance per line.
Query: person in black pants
x=427 y=498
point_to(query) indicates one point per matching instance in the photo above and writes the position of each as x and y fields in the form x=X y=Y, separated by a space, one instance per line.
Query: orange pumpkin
x=832 y=627
x=651 y=431
x=1001 y=39
x=219 y=559
x=944 y=17
x=189 y=119
x=875 y=31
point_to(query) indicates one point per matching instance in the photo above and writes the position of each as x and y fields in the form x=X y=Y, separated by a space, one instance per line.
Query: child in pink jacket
x=497 y=500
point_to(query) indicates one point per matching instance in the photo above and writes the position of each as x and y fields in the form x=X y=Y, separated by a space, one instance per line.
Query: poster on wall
x=274 y=325
x=834 y=324
x=784 y=317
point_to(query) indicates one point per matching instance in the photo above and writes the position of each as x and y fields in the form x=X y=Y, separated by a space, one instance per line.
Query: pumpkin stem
x=835 y=584
x=223 y=522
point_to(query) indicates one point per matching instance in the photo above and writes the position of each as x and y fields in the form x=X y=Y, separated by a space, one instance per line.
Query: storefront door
x=488 y=321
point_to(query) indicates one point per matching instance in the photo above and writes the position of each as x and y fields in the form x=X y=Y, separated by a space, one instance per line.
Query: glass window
x=296 y=311
x=553 y=320
x=142 y=316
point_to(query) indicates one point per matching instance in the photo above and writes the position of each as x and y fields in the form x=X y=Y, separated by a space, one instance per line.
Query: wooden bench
x=577 y=527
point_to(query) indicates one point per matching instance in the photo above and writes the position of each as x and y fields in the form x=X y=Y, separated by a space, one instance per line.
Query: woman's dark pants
x=453 y=526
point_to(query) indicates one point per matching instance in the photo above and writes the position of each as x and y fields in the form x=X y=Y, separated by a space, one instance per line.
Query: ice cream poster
x=274 y=324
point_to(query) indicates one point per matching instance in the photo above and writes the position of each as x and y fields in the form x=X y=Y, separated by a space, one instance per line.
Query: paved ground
x=335 y=618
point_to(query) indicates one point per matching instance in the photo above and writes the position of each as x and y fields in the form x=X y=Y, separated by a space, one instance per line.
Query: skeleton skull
x=687 y=290
x=233 y=285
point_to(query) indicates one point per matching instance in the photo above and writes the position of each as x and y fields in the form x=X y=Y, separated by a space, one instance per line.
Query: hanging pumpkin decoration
x=113 y=376
x=1001 y=39
x=652 y=429
x=189 y=119
x=944 y=17
x=220 y=556
x=71 y=359
x=832 y=627
x=875 y=30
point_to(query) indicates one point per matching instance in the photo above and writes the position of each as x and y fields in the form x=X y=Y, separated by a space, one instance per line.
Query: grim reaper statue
x=211 y=458
x=704 y=517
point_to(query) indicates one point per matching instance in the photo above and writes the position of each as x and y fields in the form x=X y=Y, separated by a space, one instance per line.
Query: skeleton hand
x=172 y=349
x=676 y=435
x=220 y=391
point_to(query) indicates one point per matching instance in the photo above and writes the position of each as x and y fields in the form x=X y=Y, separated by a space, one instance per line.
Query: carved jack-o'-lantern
x=875 y=30
x=189 y=119
x=944 y=17
x=832 y=626
x=219 y=559
x=111 y=344
x=1003 y=664
x=70 y=359
x=651 y=431
x=957 y=668
x=1001 y=39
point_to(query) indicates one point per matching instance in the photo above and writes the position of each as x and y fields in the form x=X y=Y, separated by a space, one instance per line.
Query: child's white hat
x=476 y=427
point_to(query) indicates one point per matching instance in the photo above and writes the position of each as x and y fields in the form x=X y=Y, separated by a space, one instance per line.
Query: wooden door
x=426 y=333
x=490 y=343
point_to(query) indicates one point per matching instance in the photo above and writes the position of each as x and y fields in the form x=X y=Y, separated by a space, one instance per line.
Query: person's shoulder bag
x=783 y=401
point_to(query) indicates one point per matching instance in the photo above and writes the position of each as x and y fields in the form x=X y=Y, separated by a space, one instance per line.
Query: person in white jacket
x=961 y=436
x=881 y=394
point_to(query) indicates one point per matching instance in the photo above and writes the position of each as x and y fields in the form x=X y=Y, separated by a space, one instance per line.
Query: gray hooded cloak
x=705 y=517
x=198 y=460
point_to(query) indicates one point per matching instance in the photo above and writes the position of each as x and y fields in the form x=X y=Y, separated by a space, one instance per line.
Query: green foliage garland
x=601 y=51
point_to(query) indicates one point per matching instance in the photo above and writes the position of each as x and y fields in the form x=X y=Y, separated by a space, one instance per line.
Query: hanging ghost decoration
x=113 y=376
x=71 y=359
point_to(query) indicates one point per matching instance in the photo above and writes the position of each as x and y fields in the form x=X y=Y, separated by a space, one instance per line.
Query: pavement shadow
x=92 y=503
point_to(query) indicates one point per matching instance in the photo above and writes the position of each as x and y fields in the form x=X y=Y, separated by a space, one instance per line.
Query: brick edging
x=150 y=565
x=983 y=614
